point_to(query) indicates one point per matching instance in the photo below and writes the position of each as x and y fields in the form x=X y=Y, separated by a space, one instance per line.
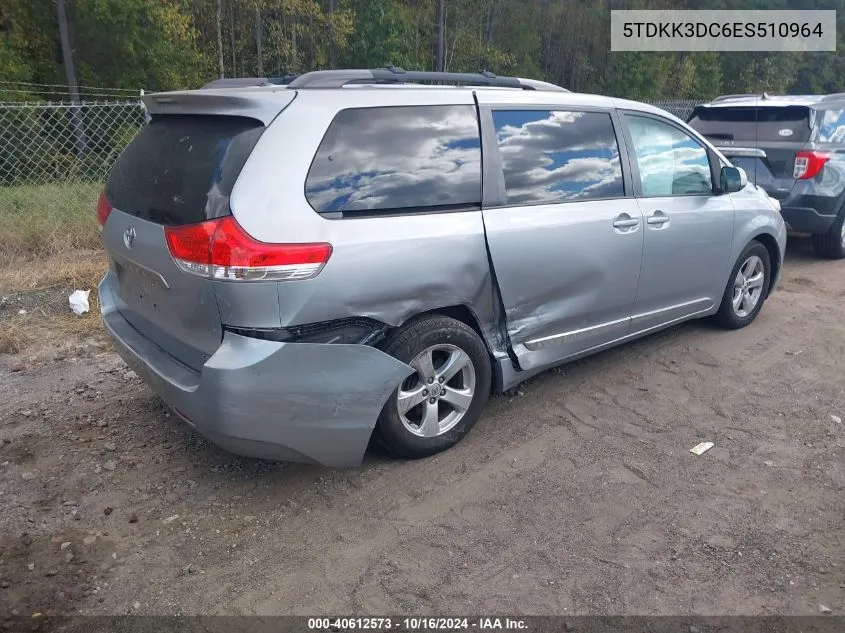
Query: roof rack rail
x=395 y=75
x=759 y=95
x=243 y=82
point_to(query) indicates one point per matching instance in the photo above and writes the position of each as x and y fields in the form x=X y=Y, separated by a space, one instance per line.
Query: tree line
x=171 y=44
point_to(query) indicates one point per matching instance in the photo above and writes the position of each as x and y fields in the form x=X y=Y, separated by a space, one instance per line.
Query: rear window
x=401 y=159
x=181 y=169
x=790 y=123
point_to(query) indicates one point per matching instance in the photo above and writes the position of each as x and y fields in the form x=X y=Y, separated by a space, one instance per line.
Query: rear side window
x=181 y=169
x=833 y=127
x=401 y=159
x=790 y=123
x=558 y=156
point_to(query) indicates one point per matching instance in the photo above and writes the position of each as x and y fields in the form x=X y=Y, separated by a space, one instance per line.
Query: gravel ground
x=576 y=494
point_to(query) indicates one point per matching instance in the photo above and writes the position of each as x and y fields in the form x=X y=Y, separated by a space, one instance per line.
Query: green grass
x=43 y=221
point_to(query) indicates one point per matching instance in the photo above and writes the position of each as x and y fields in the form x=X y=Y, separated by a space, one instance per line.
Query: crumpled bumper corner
x=298 y=402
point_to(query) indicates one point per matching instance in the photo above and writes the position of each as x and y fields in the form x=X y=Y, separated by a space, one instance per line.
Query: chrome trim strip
x=660 y=326
x=634 y=335
x=702 y=305
x=728 y=150
x=574 y=335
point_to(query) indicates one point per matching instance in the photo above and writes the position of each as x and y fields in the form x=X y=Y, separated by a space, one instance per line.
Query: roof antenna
x=756 y=137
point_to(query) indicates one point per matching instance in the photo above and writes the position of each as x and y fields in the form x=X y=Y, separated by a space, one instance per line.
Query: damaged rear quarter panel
x=393 y=268
x=388 y=268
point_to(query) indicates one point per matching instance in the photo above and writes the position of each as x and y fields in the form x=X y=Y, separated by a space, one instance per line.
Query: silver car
x=298 y=268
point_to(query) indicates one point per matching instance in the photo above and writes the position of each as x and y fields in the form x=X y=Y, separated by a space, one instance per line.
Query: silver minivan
x=298 y=268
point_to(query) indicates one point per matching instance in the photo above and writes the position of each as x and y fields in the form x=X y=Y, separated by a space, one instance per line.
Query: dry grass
x=41 y=288
x=39 y=335
x=73 y=269
x=49 y=246
x=39 y=221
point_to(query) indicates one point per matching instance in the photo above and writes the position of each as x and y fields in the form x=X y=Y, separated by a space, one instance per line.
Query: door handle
x=625 y=221
x=658 y=218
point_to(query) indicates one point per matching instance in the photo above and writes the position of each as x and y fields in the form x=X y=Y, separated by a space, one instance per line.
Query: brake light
x=221 y=249
x=103 y=209
x=190 y=246
x=809 y=164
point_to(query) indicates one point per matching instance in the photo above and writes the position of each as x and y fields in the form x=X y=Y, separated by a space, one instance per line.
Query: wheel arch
x=466 y=315
x=771 y=245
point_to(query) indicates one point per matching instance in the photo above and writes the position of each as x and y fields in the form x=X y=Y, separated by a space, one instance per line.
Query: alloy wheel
x=748 y=286
x=432 y=401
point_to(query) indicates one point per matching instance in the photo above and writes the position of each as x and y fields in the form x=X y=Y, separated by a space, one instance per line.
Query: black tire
x=728 y=316
x=406 y=344
x=831 y=245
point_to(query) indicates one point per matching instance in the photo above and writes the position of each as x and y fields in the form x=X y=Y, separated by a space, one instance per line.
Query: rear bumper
x=805 y=211
x=289 y=401
x=807 y=220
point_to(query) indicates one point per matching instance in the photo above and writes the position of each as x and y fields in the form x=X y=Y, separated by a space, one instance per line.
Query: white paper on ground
x=78 y=300
x=698 y=449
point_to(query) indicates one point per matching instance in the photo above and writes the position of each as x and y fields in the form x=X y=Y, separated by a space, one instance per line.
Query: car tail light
x=809 y=164
x=221 y=249
x=190 y=246
x=103 y=209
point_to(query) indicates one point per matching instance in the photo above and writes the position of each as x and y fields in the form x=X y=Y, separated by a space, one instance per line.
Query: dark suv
x=793 y=147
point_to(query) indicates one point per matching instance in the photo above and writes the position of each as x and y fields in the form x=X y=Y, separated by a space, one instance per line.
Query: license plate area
x=139 y=286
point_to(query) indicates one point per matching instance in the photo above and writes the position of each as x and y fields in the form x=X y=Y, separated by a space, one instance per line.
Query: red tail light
x=809 y=164
x=190 y=246
x=103 y=209
x=221 y=249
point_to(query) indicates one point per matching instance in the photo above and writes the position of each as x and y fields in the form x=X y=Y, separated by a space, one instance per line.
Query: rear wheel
x=831 y=245
x=747 y=288
x=437 y=405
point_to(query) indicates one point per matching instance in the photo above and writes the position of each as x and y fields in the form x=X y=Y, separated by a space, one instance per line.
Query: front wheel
x=434 y=408
x=748 y=287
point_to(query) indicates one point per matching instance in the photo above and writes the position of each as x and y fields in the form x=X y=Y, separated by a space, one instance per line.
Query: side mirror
x=732 y=179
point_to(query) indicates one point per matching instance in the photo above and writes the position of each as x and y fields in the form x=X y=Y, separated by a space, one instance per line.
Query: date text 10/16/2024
x=415 y=624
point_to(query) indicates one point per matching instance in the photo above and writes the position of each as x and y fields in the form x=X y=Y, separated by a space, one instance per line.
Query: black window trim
x=493 y=174
x=712 y=161
x=397 y=212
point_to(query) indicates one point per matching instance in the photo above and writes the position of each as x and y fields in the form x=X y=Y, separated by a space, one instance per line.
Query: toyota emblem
x=129 y=237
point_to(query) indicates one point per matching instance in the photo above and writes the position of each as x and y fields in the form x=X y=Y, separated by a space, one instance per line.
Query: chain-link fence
x=53 y=160
x=47 y=143
x=681 y=108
